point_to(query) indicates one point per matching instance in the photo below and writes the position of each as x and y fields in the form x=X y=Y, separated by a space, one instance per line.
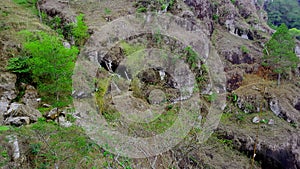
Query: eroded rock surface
x=19 y=114
x=31 y=97
x=8 y=91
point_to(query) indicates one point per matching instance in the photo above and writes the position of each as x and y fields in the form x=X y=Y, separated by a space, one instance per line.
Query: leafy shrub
x=80 y=30
x=215 y=17
x=141 y=9
x=4 y=128
x=18 y=65
x=191 y=57
x=49 y=63
x=107 y=11
x=244 y=49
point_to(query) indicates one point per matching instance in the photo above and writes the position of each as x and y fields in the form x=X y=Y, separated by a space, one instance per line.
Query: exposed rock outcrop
x=283 y=152
x=58 y=8
x=19 y=114
x=31 y=97
x=8 y=91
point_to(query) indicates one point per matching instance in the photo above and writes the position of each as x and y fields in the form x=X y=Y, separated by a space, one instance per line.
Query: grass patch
x=163 y=122
x=4 y=128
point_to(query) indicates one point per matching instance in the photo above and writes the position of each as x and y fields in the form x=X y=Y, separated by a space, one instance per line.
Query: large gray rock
x=7 y=86
x=274 y=106
x=272 y=151
x=17 y=121
x=283 y=108
x=13 y=140
x=3 y=108
x=23 y=112
x=8 y=91
x=203 y=10
x=30 y=97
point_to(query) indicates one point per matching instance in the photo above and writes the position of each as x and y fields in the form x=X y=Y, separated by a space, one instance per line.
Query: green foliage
x=212 y=97
x=18 y=65
x=51 y=66
x=102 y=86
x=56 y=24
x=233 y=1
x=31 y=4
x=295 y=33
x=233 y=97
x=130 y=49
x=4 y=156
x=111 y=115
x=163 y=122
x=244 y=49
x=35 y=148
x=155 y=5
x=215 y=17
x=135 y=55
x=68 y=148
x=136 y=88
x=265 y=121
x=107 y=11
x=80 y=30
x=279 y=51
x=283 y=11
x=158 y=37
x=191 y=57
x=141 y=9
x=240 y=117
x=26 y=3
x=4 y=128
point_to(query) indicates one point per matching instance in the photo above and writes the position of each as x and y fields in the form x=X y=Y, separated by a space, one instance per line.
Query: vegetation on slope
x=283 y=11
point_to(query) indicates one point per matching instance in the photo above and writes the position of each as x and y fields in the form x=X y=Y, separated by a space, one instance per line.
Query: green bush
x=244 y=49
x=80 y=30
x=107 y=11
x=215 y=17
x=191 y=57
x=48 y=63
x=18 y=65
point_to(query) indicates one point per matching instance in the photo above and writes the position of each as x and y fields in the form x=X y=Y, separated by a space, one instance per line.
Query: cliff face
x=234 y=30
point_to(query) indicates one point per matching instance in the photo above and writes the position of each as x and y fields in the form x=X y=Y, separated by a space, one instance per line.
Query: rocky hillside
x=210 y=61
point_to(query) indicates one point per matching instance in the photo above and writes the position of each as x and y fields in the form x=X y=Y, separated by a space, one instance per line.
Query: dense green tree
x=279 y=52
x=51 y=66
x=283 y=11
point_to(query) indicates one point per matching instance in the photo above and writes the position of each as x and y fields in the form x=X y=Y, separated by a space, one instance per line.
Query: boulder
x=61 y=120
x=52 y=114
x=256 y=119
x=7 y=86
x=274 y=106
x=283 y=108
x=21 y=110
x=3 y=108
x=203 y=10
x=17 y=121
x=13 y=140
x=8 y=91
x=30 y=97
x=278 y=152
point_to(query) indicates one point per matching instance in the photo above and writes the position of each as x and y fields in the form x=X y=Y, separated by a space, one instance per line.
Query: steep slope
x=235 y=30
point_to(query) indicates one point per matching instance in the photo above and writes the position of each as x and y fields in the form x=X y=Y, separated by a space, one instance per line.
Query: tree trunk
x=278 y=79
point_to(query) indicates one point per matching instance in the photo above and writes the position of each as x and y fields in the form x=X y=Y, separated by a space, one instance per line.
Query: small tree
x=279 y=52
x=80 y=30
x=51 y=65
